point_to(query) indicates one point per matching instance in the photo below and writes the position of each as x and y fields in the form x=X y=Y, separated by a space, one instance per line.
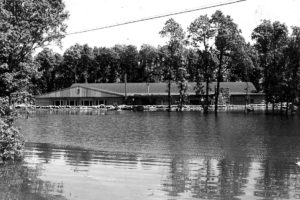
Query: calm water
x=155 y=155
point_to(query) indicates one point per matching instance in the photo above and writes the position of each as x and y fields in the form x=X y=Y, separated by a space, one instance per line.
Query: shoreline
x=174 y=108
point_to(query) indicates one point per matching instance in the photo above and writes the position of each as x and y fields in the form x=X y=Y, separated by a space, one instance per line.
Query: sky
x=90 y=14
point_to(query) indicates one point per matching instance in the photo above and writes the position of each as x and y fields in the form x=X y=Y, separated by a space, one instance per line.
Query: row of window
x=78 y=102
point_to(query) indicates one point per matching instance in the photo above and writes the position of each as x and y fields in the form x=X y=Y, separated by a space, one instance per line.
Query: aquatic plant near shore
x=11 y=140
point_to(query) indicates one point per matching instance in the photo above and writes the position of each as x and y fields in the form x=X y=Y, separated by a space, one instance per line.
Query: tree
x=290 y=84
x=11 y=140
x=162 y=69
x=245 y=67
x=270 y=42
x=191 y=58
x=128 y=62
x=17 y=79
x=202 y=33
x=47 y=62
x=148 y=61
x=106 y=68
x=176 y=35
x=228 y=42
x=25 y=26
x=182 y=86
x=86 y=64
x=69 y=71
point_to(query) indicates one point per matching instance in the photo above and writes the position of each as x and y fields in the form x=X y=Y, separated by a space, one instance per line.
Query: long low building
x=90 y=94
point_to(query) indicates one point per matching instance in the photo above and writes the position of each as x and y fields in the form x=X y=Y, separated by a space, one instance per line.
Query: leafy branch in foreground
x=11 y=140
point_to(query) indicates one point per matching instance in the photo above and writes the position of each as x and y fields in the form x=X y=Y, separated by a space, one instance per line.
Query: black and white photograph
x=149 y=100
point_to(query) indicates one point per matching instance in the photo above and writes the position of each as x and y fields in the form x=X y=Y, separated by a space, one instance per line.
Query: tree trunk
x=169 y=93
x=169 y=81
x=218 y=83
x=266 y=86
x=181 y=97
x=217 y=96
x=206 y=103
x=206 y=97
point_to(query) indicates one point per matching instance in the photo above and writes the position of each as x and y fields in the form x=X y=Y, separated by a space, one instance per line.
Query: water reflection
x=49 y=172
x=19 y=181
x=156 y=156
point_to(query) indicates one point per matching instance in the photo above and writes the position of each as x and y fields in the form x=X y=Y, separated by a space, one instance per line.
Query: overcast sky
x=91 y=14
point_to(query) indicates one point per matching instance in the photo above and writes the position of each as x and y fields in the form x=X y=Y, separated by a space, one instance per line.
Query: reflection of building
x=89 y=94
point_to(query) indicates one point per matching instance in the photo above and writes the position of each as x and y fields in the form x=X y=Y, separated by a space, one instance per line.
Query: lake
x=155 y=155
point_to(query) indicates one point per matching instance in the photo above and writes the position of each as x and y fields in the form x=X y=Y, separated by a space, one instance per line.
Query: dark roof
x=161 y=88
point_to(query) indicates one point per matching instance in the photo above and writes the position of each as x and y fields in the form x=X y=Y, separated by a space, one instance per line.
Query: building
x=89 y=94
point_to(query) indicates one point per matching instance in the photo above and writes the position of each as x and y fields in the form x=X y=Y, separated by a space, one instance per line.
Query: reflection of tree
x=178 y=180
x=279 y=175
x=207 y=178
x=278 y=179
x=19 y=182
x=205 y=183
x=46 y=152
x=78 y=156
x=233 y=176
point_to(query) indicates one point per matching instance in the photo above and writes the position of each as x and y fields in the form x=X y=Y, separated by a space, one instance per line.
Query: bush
x=11 y=141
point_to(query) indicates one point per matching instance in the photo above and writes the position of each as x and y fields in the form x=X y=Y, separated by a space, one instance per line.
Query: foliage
x=228 y=43
x=48 y=63
x=271 y=41
x=173 y=57
x=201 y=34
x=106 y=69
x=290 y=83
x=18 y=79
x=148 y=59
x=128 y=62
x=70 y=68
x=183 y=87
x=22 y=98
x=11 y=140
x=245 y=66
x=26 y=25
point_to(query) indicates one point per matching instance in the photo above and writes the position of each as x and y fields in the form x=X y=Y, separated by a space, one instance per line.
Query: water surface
x=155 y=155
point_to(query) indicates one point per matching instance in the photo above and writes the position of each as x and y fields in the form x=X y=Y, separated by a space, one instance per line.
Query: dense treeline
x=212 y=49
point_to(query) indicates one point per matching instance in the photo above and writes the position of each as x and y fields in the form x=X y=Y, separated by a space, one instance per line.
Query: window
x=86 y=103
